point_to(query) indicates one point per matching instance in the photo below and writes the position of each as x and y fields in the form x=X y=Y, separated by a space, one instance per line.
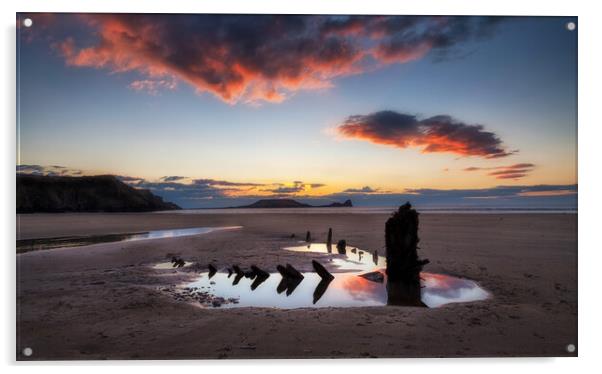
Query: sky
x=220 y=110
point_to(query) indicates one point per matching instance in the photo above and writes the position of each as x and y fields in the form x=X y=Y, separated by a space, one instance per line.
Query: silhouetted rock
x=321 y=270
x=401 y=241
x=308 y=237
x=288 y=203
x=342 y=247
x=346 y=204
x=102 y=193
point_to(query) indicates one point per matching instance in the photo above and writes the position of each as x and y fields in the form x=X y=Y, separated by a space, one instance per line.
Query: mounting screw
x=571 y=26
x=27 y=22
x=27 y=351
x=570 y=348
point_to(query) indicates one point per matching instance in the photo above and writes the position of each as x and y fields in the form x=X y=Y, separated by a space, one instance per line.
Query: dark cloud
x=172 y=178
x=255 y=58
x=435 y=134
x=130 y=180
x=515 y=171
x=287 y=190
x=52 y=170
x=297 y=187
x=365 y=189
x=215 y=182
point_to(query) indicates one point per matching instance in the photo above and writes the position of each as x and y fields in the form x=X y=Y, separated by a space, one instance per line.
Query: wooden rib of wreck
x=321 y=270
x=259 y=272
x=289 y=272
x=212 y=270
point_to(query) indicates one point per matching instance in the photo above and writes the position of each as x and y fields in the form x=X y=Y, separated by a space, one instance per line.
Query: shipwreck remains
x=403 y=265
x=212 y=270
x=321 y=270
x=401 y=242
x=289 y=272
x=177 y=262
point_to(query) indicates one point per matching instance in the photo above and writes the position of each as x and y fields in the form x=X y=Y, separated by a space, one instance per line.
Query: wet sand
x=104 y=301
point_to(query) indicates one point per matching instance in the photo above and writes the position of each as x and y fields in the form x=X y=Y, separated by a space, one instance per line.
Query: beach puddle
x=27 y=245
x=349 y=288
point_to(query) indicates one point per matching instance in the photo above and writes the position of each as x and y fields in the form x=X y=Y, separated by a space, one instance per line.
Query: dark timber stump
x=401 y=240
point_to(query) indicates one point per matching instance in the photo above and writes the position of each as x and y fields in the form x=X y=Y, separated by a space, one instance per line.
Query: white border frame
x=589 y=135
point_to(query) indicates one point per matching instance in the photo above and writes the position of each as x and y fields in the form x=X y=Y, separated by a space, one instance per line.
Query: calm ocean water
x=373 y=210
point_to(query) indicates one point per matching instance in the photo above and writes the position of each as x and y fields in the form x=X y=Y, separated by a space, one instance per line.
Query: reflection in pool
x=27 y=245
x=347 y=289
x=353 y=259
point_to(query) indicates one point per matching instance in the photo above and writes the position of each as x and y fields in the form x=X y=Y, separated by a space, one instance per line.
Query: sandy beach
x=103 y=301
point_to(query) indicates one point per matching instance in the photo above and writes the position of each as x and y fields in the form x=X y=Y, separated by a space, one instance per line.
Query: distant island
x=289 y=203
x=102 y=193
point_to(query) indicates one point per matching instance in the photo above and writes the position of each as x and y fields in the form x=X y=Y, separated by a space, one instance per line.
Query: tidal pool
x=347 y=289
x=27 y=245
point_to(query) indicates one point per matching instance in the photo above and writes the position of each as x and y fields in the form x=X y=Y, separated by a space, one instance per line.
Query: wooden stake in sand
x=401 y=241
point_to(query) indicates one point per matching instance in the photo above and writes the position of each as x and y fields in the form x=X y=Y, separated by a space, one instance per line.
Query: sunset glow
x=217 y=110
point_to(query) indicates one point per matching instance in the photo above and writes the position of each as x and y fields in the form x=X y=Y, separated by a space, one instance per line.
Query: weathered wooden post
x=401 y=241
x=403 y=264
x=308 y=237
x=329 y=239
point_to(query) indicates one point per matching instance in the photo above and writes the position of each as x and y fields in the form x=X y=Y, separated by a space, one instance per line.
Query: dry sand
x=102 y=302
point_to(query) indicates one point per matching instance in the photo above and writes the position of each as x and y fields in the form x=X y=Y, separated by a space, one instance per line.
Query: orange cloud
x=435 y=134
x=255 y=58
x=515 y=171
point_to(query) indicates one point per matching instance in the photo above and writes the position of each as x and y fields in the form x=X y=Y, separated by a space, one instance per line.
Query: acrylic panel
x=224 y=186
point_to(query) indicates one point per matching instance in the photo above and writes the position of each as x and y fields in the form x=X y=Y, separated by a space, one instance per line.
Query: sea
x=372 y=210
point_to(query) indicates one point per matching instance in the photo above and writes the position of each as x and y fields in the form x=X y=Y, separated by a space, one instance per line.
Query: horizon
x=221 y=110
